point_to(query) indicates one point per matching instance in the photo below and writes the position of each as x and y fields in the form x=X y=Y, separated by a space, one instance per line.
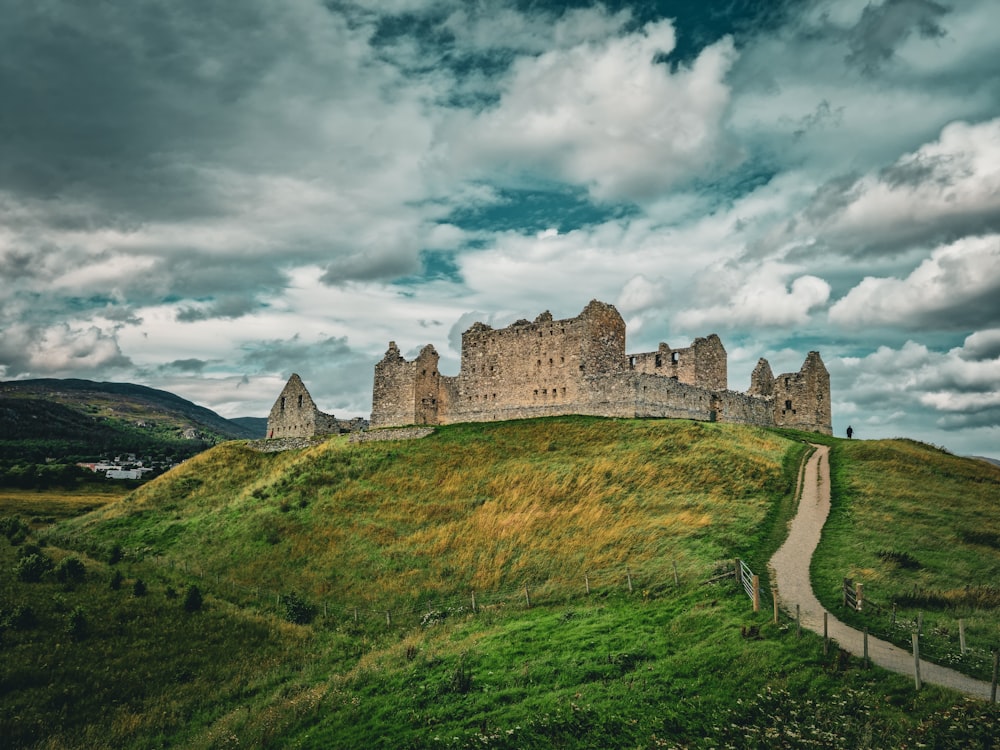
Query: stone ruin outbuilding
x=295 y=414
x=579 y=365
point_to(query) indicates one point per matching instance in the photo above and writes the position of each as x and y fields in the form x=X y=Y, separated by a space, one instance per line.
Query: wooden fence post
x=473 y=600
x=628 y=576
x=774 y=598
x=586 y=582
x=961 y=635
x=916 y=660
x=859 y=595
x=388 y=618
x=677 y=580
x=739 y=573
x=527 y=596
x=756 y=593
x=920 y=622
x=894 y=614
x=355 y=615
x=826 y=635
x=996 y=668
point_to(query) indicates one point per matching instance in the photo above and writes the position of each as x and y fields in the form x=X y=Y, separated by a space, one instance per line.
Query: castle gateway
x=579 y=366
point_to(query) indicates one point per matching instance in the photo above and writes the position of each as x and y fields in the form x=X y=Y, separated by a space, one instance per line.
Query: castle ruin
x=295 y=414
x=579 y=365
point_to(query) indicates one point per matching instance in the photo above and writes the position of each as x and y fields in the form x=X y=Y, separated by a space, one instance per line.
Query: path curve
x=790 y=571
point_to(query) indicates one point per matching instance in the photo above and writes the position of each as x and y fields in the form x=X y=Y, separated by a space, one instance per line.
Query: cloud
x=957 y=287
x=919 y=389
x=753 y=297
x=881 y=28
x=605 y=115
x=62 y=350
x=944 y=190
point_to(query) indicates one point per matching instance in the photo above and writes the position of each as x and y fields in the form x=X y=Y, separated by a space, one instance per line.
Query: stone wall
x=294 y=414
x=579 y=365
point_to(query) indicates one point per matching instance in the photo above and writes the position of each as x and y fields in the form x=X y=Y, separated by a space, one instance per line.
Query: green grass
x=413 y=527
x=918 y=527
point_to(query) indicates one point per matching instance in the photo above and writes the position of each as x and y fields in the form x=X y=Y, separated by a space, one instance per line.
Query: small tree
x=116 y=580
x=31 y=568
x=76 y=624
x=192 y=599
x=139 y=588
x=70 y=570
x=115 y=555
x=298 y=610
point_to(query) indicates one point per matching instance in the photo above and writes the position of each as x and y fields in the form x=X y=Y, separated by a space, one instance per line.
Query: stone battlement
x=579 y=365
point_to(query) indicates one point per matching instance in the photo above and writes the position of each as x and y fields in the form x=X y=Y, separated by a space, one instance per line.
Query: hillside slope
x=49 y=418
x=470 y=507
x=337 y=611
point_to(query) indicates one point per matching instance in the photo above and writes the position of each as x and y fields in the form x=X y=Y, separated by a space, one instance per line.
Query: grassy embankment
x=413 y=527
x=919 y=528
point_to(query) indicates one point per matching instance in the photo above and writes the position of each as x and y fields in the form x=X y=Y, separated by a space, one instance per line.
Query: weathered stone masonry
x=294 y=415
x=580 y=366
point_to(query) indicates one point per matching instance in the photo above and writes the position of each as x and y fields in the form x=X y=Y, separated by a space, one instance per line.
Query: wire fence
x=945 y=638
x=425 y=609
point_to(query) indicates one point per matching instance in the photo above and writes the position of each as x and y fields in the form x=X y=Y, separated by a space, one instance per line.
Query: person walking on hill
x=850 y=432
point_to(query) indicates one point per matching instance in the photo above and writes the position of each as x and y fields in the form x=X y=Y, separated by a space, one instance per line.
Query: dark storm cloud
x=978 y=417
x=184 y=365
x=882 y=28
x=286 y=355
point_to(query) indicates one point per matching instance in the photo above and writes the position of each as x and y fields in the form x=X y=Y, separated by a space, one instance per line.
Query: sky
x=208 y=197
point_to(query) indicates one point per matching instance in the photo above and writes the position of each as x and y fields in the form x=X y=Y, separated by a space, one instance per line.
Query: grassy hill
x=338 y=583
x=45 y=422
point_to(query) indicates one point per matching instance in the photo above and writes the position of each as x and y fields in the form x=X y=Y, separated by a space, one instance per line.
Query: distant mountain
x=53 y=419
x=257 y=425
x=993 y=461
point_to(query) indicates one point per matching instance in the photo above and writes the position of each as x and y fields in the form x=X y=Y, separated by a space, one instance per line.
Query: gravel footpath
x=790 y=571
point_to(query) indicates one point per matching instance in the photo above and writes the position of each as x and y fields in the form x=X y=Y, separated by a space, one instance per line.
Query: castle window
x=282 y=403
x=631 y=362
x=659 y=361
x=562 y=360
x=544 y=391
x=675 y=357
x=536 y=391
x=300 y=400
x=788 y=404
x=539 y=363
x=550 y=361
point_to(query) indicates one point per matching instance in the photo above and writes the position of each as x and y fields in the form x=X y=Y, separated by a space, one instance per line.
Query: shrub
x=76 y=624
x=298 y=610
x=170 y=592
x=31 y=568
x=192 y=599
x=116 y=580
x=14 y=529
x=70 y=570
x=22 y=617
x=115 y=555
x=139 y=587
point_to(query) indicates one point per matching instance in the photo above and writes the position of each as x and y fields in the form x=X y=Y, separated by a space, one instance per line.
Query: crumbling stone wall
x=802 y=399
x=579 y=365
x=295 y=415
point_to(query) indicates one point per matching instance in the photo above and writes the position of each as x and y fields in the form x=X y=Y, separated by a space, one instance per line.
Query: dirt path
x=790 y=571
